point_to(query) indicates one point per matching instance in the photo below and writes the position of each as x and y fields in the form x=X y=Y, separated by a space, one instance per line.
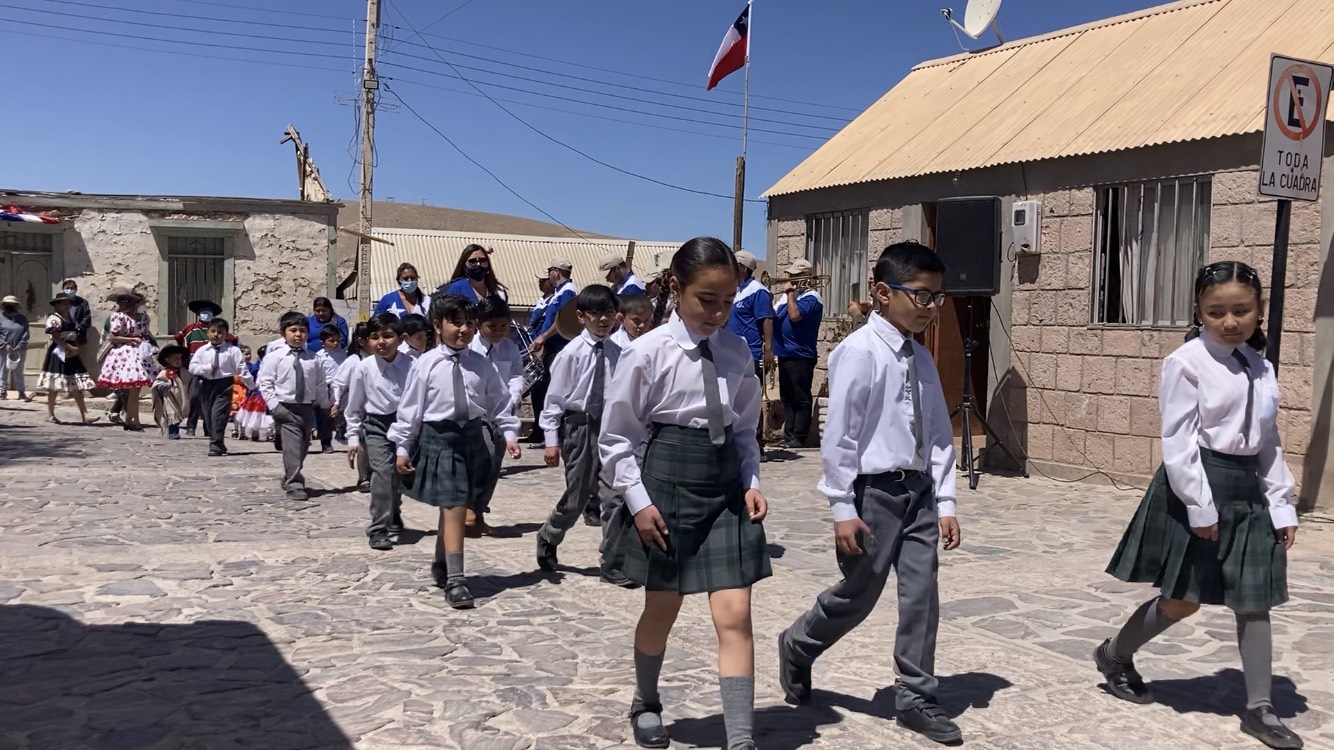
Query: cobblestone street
x=154 y=598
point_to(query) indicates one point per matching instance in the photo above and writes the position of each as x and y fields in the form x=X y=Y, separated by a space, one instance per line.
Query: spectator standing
x=14 y=336
x=798 y=312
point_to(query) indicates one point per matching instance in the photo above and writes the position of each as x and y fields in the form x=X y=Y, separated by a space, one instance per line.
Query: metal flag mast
x=739 y=199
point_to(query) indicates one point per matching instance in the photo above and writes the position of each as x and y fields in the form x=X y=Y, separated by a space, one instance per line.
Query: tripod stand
x=966 y=407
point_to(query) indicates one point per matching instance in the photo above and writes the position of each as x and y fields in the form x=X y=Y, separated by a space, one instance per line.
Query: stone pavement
x=153 y=598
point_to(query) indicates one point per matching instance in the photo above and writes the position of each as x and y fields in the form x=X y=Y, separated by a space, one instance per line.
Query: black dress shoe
x=546 y=555
x=1123 y=681
x=617 y=578
x=651 y=736
x=930 y=721
x=381 y=541
x=795 y=680
x=458 y=595
x=1263 y=725
x=363 y=486
x=592 y=520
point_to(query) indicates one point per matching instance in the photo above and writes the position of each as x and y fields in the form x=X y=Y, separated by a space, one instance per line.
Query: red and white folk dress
x=124 y=365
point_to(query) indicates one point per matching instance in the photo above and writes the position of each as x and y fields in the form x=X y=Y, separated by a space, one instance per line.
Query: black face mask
x=10 y=309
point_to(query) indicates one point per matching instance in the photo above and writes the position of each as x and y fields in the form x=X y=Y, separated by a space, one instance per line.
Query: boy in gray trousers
x=293 y=385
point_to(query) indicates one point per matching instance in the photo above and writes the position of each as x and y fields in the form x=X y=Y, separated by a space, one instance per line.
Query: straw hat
x=10 y=300
x=123 y=291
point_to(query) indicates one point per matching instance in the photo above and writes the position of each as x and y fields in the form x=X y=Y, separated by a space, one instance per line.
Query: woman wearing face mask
x=80 y=310
x=408 y=299
x=474 y=278
x=14 y=335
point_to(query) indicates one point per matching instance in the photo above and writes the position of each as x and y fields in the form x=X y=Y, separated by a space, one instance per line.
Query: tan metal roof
x=1189 y=70
x=518 y=259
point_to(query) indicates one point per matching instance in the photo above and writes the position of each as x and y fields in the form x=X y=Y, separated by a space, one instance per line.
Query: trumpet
x=819 y=280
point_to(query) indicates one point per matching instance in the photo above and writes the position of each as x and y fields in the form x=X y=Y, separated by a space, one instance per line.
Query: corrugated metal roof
x=518 y=259
x=1189 y=70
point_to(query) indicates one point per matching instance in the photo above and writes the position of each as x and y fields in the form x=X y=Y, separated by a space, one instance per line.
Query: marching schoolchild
x=572 y=417
x=1215 y=525
x=374 y=388
x=171 y=390
x=331 y=357
x=358 y=348
x=689 y=390
x=493 y=340
x=439 y=435
x=216 y=365
x=293 y=385
x=253 y=420
x=416 y=335
x=888 y=456
x=634 y=319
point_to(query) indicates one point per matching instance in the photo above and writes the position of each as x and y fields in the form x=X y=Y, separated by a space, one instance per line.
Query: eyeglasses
x=921 y=297
x=479 y=262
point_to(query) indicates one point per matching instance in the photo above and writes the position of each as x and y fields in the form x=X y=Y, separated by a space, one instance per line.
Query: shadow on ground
x=1224 y=694
x=21 y=442
x=210 y=684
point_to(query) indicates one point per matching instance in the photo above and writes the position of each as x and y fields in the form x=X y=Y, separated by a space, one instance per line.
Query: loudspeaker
x=968 y=239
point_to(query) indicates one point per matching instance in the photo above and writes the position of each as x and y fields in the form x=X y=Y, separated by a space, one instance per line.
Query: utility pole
x=370 y=86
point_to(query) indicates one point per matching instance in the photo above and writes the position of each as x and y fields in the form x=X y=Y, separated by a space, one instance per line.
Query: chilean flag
x=736 y=48
x=14 y=213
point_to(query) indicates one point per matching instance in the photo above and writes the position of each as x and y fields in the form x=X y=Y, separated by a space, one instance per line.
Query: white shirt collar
x=589 y=337
x=887 y=332
x=681 y=333
x=1217 y=349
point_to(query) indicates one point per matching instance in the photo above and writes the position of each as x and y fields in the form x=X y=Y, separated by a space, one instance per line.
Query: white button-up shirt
x=572 y=381
x=508 y=361
x=428 y=395
x=229 y=359
x=869 y=430
x=1202 y=399
x=374 y=386
x=277 y=378
x=661 y=379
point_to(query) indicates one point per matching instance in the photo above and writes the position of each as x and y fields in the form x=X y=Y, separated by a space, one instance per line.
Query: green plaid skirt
x=711 y=543
x=450 y=460
x=1246 y=569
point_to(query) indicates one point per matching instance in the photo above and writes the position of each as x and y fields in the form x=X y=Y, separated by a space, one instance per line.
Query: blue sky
x=93 y=117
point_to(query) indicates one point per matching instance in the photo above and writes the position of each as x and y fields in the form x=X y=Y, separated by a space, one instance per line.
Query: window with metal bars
x=1151 y=239
x=195 y=270
x=26 y=242
x=836 y=243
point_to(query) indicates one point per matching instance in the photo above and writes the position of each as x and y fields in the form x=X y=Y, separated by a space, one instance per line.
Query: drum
x=532 y=366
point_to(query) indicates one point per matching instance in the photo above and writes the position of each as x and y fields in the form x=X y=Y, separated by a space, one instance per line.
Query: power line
x=481 y=166
x=300 y=27
x=457 y=8
x=563 y=144
x=215 y=4
x=144 y=24
x=176 y=41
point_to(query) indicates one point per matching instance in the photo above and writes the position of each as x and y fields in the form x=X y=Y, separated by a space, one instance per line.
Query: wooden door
x=28 y=277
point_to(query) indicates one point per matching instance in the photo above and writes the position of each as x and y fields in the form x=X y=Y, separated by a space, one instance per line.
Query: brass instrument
x=817 y=281
x=567 y=322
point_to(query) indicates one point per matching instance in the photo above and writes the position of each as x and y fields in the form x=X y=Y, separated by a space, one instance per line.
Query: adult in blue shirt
x=538 y=392
x=753 y=314
x=797 y=315
x=324 y=316
x=407 y=299
x=620 y=277
x=548 y=342
x=474 y=277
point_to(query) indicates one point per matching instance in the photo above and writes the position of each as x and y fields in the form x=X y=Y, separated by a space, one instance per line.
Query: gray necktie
x=597 y=394
x=300 y=375
x=460 y=391
x=1250 y=394
x=217 y=354
x=713 y=400
x=914 y=389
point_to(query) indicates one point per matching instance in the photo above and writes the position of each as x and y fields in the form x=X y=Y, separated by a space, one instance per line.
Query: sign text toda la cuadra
x=1296 y=104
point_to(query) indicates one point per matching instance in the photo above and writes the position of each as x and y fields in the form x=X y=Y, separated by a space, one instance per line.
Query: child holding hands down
x=438 y=431
x=374 y=388
x=1215 y=525
x=494 y=342
x=888 y=453
x=689 y=389
x=292 y=383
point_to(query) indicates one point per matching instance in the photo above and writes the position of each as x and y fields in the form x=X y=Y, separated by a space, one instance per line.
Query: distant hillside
x=390 y=214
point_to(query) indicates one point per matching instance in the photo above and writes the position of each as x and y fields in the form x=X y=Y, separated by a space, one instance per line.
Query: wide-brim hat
x=171 y=349
x=10 y=300
x=205 y=305
x=61 y=298
x=123 y=291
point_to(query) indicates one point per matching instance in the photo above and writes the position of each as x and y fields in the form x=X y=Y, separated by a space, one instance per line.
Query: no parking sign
x=1294 y=143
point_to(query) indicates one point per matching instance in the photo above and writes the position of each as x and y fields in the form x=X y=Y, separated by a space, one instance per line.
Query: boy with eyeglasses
x=888 y=454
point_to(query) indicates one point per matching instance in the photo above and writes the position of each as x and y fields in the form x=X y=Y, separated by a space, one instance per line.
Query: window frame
x=848 y=271
x=166 y=230
x=1149 y=311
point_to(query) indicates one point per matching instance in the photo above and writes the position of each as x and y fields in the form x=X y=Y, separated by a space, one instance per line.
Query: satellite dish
x=979 y=16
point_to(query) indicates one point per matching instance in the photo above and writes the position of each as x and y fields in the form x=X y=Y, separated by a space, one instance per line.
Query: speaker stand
x=967 y=408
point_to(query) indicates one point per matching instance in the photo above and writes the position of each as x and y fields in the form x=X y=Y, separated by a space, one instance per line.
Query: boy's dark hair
x=699 y=254
x=493 y=307
x=452 y=307
x=412 y=325
x=331 y=331
x=382 y=322
x=636 y=303
x=1223 y=272
x=904 y=261
x=263 y=350
x=293 y=318
x=219 y=323
x=596 y=298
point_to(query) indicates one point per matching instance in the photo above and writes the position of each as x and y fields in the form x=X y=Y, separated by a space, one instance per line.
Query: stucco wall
x=1079 y=398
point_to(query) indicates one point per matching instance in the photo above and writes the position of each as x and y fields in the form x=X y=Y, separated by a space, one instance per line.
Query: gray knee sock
x=1147 y=623
x=454 y=566
x=738 y=709
x=647 y=669
x=1255 y=639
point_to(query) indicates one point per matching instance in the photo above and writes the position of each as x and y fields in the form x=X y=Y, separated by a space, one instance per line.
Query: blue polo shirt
x=753 y=306
x=564 y=296
x=798 y=340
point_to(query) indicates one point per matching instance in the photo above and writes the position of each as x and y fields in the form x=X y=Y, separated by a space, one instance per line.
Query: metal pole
x=739 y=197
x=1278 y=280
x=370 y=84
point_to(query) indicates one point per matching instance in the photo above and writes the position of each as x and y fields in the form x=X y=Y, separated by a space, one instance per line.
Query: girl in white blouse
x=689 y=389
x=1216 y=522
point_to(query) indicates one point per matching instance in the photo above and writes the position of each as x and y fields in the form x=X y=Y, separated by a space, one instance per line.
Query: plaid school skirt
x=449 y=461
x=1245 y=570
x=711 y=543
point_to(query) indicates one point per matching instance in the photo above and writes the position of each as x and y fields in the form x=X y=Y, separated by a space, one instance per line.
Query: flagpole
x=739 y=200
